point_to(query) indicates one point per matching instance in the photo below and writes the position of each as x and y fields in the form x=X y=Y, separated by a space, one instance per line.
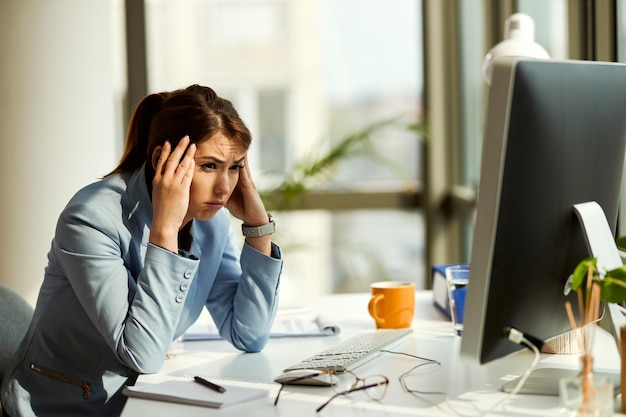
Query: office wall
x=57 y=122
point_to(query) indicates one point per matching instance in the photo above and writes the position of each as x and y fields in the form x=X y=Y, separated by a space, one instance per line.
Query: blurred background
x=385 y=97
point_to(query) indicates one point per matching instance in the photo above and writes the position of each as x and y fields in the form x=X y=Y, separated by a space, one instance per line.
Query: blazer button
x=188 y=274
x=184 y=286
x=180 y=298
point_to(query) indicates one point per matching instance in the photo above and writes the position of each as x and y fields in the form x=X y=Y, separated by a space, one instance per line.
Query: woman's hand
x=246 y=204
x=170 y=192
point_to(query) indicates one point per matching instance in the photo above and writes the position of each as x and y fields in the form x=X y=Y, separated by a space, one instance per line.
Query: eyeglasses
x=411 y=372
x=375 y=386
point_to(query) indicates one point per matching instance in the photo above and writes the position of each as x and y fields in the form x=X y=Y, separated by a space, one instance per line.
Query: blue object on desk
x=458 y=295
x=440 y=291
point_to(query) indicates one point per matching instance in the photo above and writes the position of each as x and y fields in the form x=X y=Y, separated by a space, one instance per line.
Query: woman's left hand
x=245 y=203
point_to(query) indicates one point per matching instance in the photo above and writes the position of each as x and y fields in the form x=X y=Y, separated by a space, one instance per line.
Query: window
x=304 y=75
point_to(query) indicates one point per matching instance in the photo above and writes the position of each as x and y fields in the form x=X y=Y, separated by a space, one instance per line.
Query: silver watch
x=257 y=231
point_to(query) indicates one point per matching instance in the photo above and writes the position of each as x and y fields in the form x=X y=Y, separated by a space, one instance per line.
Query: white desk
x=470 y=390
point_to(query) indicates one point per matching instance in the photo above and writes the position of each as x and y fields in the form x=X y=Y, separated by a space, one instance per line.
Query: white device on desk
x=306 y=377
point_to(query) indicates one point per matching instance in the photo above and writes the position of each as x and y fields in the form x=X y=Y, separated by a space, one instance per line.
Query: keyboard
x=352 y=352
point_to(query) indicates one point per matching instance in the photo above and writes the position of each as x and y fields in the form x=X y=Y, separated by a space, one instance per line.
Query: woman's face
x=218 y=162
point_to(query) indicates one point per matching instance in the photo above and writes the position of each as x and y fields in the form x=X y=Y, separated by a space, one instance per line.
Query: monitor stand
x=601 y=244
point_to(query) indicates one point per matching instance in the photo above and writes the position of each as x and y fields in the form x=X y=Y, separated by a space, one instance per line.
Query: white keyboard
x=350 y=353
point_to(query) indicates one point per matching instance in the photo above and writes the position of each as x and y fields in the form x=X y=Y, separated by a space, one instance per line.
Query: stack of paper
x=292 y=321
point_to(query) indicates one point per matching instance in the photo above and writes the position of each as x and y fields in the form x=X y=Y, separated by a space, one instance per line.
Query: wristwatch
x=257 y=231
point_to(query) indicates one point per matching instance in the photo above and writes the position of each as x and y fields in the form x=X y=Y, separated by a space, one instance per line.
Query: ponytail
x=137 y=137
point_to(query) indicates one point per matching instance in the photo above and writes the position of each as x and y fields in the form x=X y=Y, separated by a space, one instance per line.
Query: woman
x=137 y=255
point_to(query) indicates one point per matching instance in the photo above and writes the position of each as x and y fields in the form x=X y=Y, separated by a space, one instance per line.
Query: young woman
x=137 y=255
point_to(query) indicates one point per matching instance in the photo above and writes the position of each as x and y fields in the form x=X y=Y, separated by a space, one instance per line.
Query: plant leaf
x=316 y=167
x=613 y=286
x=579 y=277
x=422 y=129
x=613 y=290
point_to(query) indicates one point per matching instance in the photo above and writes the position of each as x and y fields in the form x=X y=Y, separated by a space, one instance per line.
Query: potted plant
x=593 y=286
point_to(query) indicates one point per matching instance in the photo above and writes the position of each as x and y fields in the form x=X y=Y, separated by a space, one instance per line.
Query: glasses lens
x=344 y=382
x=378 y=387
x=331 y=378
x=312 y=378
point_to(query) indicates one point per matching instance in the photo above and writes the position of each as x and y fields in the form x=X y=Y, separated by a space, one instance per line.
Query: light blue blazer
x=111 y=303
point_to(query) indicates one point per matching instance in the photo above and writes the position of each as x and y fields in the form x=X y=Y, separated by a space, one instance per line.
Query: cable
x=513 y=335
x=518 y=337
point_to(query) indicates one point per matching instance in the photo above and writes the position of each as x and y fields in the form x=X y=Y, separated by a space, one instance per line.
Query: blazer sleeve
x=136 y=315
x=244 y=296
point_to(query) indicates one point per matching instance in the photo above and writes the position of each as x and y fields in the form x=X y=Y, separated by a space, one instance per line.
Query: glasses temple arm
x=350 y=391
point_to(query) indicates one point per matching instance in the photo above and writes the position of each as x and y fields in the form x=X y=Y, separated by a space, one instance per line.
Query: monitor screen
x=554 y=137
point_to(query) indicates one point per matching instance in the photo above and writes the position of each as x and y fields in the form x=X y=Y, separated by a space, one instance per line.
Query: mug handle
x=371 y=307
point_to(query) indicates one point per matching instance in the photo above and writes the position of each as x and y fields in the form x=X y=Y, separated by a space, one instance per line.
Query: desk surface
x=459 y=388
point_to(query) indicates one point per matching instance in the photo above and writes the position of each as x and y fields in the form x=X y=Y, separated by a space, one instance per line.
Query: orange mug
x=392 y=304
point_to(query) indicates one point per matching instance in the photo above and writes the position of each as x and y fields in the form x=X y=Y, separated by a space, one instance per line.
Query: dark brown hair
x=196 y=111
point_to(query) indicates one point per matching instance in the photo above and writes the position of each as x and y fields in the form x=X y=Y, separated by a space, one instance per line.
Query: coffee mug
x=392 y=304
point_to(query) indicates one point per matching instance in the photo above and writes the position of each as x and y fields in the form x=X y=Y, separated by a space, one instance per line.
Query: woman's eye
x=237 y=167
x=209 y=165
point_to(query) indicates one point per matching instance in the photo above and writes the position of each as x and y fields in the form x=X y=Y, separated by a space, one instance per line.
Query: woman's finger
x=174 y=158
x=165 y=153
x=187 y=164
x=245 y=178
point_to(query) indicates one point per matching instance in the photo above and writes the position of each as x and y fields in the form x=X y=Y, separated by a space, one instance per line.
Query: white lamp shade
x=519 y=33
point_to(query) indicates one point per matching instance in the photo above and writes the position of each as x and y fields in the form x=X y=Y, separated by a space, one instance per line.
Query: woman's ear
x=156 y=154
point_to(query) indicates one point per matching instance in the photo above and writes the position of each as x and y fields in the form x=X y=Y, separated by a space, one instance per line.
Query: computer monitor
x=555 y=136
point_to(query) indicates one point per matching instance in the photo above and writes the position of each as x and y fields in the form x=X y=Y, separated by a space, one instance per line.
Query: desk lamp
x=519 y=40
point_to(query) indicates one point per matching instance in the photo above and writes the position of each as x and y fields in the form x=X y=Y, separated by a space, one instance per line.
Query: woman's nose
x=222 y=184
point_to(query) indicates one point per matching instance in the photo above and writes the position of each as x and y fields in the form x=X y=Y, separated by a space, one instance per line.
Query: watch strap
x=258 y=231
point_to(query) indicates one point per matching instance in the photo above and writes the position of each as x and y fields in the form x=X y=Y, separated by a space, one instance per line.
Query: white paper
x=186 y=391
x=289 y=322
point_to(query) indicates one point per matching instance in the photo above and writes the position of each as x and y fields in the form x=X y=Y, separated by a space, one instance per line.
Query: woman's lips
x=215 y=204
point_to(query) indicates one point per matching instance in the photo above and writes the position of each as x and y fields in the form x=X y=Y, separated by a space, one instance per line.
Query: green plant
x=317 y=168
x=612 y=283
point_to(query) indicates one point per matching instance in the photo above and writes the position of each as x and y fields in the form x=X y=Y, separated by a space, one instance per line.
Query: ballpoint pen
x=209 y=384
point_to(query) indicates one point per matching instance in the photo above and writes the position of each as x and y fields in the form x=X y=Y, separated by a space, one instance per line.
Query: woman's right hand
x=170 y=192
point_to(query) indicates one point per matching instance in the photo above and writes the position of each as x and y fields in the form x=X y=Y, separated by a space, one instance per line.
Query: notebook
x=186 y=391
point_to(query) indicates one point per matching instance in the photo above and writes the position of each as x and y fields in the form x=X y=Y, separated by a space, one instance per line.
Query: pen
x=209 y=384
